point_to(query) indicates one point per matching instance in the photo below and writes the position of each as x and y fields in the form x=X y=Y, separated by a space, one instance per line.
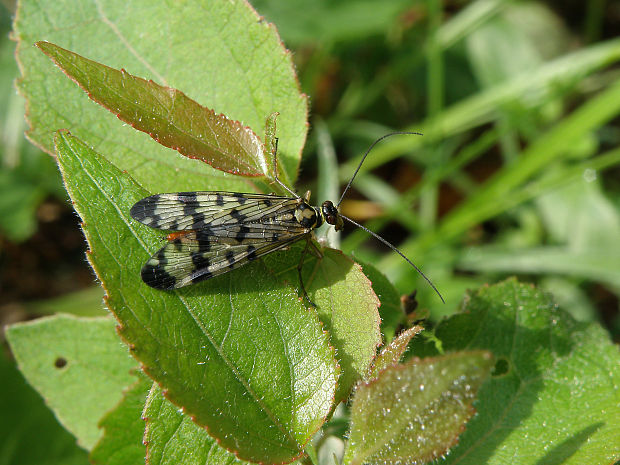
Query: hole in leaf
x=60 y=362
x=502 y=366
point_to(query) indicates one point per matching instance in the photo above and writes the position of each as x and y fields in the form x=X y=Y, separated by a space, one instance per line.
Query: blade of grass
x=479 y=109
x=405 y=202
x=495 y=195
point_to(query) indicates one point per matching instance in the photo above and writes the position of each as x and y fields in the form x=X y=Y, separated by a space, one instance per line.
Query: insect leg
x=301 y=265
x=315 y=250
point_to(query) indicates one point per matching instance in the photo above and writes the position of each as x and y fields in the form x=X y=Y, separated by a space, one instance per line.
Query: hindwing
x=196 y=256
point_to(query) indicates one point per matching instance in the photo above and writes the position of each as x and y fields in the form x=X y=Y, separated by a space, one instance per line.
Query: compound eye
x=330 y=212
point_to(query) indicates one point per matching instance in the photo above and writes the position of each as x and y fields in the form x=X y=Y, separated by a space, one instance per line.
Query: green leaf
x=123 y=428
x=555 y=380
x=391 y=311
x=174 y=438
x=414 y=412
x=85 y=302
x=393 y=352
x=30 y=433
x=167 y=115
x=347 y=307
x=223 y=57
x=351 y=20
x=77 y=365
x=238 y=352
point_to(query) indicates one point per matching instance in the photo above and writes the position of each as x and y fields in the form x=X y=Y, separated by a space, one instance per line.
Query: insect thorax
x=308 y=216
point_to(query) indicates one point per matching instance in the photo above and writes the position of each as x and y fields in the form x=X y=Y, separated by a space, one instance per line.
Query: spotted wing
x=218 y=232
x=216 y=211
x=195 y=256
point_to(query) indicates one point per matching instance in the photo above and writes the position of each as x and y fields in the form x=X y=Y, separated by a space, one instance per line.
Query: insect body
x=220 y=231
x=216 y=232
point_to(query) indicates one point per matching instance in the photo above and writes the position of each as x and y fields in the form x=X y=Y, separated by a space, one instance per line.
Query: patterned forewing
x=196 y=256
x=197 y=210
x=218 y=232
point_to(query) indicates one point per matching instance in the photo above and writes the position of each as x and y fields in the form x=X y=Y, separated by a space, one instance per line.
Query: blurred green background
x=518 y=171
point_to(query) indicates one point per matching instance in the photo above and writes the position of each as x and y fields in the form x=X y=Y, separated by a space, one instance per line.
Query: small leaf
x=123 y=428
x=77 y=365
x=167 y=115
x=414 y=412
x=238 y=352
x=393 y=352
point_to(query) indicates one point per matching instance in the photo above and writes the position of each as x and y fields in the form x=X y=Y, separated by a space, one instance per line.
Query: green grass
x=512 y=113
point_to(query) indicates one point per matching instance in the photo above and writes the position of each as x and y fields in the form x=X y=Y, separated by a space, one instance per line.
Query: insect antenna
x=375 y=235
x=366 y=154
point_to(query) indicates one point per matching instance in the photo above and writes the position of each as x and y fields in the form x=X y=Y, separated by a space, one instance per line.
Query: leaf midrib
x=227 y=362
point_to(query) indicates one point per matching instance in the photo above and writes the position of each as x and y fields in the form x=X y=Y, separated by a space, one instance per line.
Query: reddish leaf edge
x=46 y=48
x=404 y=337
x=101 y=423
